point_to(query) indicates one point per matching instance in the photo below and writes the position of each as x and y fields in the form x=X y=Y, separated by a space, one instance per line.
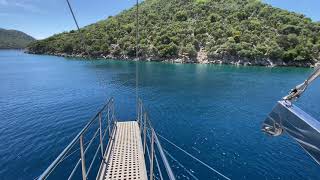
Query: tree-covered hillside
x=12 y=39
x=218 y=31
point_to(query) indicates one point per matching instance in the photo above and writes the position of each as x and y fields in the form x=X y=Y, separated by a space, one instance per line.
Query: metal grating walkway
x=124 y=159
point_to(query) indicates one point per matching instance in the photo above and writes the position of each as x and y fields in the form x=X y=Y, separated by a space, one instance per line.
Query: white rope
x=193 y=157
x=174 y=159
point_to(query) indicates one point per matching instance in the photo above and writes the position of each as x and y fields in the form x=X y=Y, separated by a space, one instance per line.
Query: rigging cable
x=74 y=18
x=193 y=157
x=137 y=54
x=301 y=88
x=181 y=165
x=76 y=22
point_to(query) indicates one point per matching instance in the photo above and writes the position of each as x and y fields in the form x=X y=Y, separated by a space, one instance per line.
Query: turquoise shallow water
x=215 y=112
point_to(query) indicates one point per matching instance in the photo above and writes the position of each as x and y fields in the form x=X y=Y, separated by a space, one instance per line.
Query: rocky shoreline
x=202 y=58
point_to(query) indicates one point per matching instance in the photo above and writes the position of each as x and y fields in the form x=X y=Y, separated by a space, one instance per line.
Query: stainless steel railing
x=149 y=136
x=103 y=123
x=100 y=125
x=150 y=139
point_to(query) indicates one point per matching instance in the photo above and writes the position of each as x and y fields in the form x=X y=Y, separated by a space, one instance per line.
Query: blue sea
x=215 y=112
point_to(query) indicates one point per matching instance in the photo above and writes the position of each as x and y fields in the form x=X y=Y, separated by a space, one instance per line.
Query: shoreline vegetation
x=237 y=62
x=239 y=32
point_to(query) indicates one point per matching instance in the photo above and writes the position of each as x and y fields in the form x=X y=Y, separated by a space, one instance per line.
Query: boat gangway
x=107 y=148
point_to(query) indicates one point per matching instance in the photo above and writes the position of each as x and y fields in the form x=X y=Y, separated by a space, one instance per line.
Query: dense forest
x=204 y=31
x=13 y=39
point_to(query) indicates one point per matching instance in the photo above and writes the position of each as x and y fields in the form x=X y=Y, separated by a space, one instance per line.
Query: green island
x=13 y=39
x=247 y=32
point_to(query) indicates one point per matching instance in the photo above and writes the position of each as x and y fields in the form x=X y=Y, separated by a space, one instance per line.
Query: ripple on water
x=212 y=111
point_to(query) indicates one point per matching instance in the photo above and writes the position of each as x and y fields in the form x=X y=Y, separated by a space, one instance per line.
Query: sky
x=310 y=8
x=43 y=18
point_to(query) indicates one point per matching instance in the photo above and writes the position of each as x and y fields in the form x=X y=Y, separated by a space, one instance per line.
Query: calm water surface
x=215 y=112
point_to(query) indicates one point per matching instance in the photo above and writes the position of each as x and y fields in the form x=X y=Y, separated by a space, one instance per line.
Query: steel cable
x=193 y=157
x=296 y=92
x=181 y=165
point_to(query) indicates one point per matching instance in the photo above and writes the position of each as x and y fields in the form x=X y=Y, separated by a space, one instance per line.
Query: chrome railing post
x=164 y=158
x=100 y=126
x=138 y=111
x=141 y=110
x=141 y=116
x=109 y=124
x=112 y=111
x=144 y=132
x=108 y=112
x=151 y=154
x=83 y=161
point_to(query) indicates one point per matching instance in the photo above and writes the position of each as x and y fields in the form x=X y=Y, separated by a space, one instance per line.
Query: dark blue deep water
x=215 y=112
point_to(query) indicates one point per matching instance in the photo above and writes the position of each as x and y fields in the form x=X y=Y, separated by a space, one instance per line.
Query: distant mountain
x=202 y=31
x=13 y=39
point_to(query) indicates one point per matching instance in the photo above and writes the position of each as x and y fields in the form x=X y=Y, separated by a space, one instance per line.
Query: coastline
x=200 y=59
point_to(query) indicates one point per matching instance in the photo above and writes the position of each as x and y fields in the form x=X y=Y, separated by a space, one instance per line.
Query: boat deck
x=124 y=159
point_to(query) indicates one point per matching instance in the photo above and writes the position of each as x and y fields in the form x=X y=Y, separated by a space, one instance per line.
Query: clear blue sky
x=42 y=18
x=310 y=8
